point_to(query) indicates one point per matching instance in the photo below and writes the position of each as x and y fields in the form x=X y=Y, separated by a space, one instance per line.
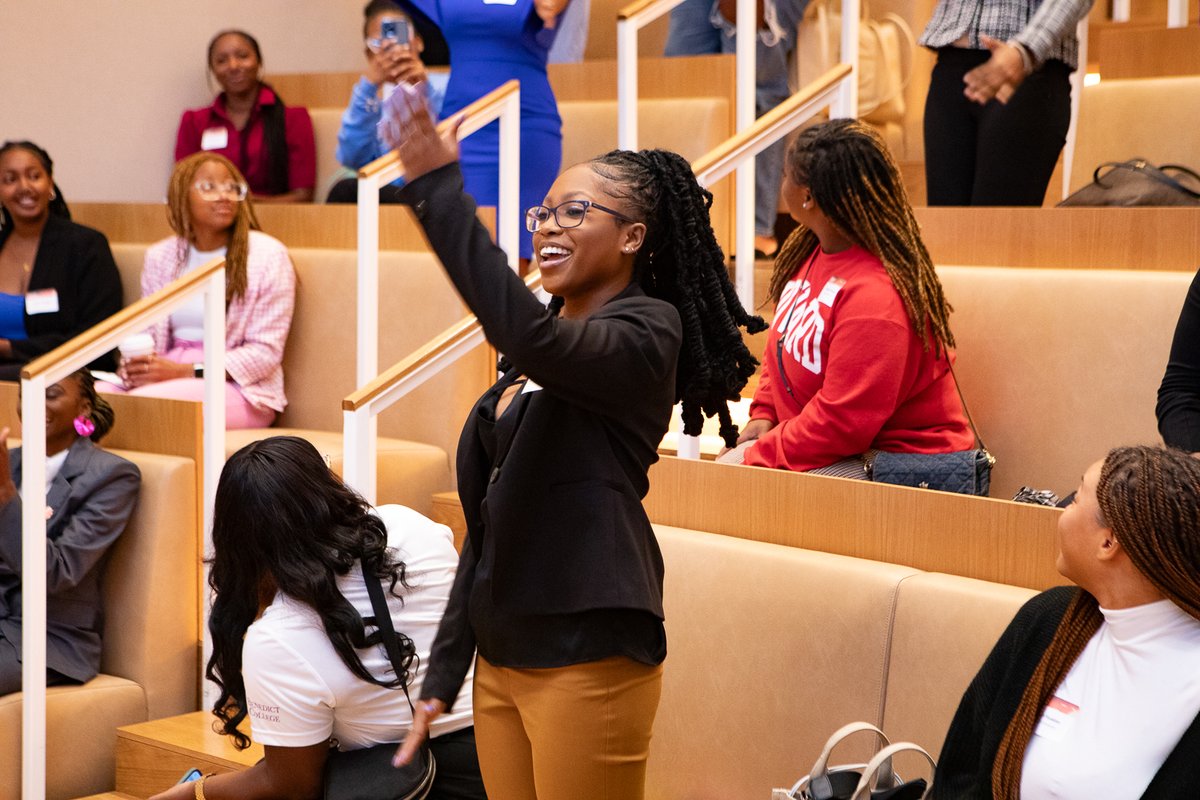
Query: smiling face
x=234 y=63
x=589 y=264
x=209 y=217
x=25 y=186
x=64 y=402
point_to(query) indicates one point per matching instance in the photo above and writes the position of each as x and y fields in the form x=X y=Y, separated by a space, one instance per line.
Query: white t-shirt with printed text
x=298 y=691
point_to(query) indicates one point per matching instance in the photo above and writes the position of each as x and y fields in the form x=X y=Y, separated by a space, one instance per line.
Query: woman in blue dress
x=493 y=41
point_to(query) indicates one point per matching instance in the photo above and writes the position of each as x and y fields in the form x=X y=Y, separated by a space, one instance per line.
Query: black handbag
x=1137 y=182
x=963 y=472
x=874 y=780
x=368 y=774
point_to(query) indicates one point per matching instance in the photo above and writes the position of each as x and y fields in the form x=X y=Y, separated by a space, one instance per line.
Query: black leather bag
x=874 y=780
x=964 y=472
x=1137 y=182
x=368 y=774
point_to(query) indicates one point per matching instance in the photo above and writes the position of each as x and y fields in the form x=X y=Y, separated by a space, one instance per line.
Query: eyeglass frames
x=210 y=190
x=568 y=215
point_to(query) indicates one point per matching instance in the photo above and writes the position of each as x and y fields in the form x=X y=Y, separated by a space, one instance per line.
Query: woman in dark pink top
x=858 y=356
x=248 y=123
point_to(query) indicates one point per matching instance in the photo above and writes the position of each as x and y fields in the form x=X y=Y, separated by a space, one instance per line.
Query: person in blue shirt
x=391 y=60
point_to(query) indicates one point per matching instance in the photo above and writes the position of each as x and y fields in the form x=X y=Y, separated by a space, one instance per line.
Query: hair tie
x=84 y=425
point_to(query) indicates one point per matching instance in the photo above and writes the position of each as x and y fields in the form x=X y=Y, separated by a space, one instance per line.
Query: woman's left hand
x=549 y=11
x=999 y=76
x=143 y=370
x=420 y=147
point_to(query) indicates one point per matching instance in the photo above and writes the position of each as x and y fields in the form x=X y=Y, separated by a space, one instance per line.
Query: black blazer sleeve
x=454 y=646
x=597 y=363
x=77 y=263
x=1178 y=406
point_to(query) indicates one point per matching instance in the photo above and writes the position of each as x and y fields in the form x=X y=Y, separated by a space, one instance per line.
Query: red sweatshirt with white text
x=858 y=374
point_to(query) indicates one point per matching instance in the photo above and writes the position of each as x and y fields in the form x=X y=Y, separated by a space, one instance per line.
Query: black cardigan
x=75 y=261
x=964 y=770
x=1178 y=406
x=565 y=505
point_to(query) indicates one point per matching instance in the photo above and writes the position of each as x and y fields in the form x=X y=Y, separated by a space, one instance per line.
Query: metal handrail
x=361 y=407
x=503 y=103
x=36 y=376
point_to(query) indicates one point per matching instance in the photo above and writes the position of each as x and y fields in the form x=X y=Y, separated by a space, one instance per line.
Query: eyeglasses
x=209 y=190
x=568 y=215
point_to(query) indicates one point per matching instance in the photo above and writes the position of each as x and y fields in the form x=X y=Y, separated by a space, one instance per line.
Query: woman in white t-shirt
x=287 y=625
x=1094 y=692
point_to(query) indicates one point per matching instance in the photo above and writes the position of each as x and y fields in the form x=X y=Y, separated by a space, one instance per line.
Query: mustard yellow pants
x=567 y=733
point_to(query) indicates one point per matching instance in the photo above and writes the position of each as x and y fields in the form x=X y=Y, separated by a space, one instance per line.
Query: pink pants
x=239 y=412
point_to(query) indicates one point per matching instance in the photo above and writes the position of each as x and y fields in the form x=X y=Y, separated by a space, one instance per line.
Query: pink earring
x=84 y=425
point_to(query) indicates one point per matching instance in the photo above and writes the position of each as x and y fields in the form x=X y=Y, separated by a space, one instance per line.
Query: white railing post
x=367 y=327
x=627 y=84
x=688 y=447
x=33 y=589
x=509 y=211
x=745 y=62
x=1081 y=33
x=358 y=443
x=1120 y=10
x=846 y=104
x=214 y=447
x=1177 y=13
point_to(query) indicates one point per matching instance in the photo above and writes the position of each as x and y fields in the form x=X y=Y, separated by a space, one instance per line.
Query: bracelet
x=1026 y=56
x=198 y=787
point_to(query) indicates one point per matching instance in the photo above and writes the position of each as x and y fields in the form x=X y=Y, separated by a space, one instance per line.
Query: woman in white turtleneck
x=1095 y=692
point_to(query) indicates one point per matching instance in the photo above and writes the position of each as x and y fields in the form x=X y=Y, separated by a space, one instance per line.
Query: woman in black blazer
x=559 y=584
x=57 y=278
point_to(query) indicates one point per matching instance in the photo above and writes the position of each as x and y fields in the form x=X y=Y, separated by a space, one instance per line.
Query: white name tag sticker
x=530 y=386
x=830 y=292
x=214 y=139
x=499 y=2
x=1056 y=719
x=43 y=301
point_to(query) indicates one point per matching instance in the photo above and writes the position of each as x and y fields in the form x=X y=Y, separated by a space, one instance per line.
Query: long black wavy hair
x=283 y=521
x=58 y=206
x=274 y=120
x=681 y=262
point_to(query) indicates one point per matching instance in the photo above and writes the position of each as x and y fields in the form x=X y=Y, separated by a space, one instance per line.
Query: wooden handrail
x=637 y=8
x=143 y=307
x=456 y=333
x=729 y=150
x=480 y=107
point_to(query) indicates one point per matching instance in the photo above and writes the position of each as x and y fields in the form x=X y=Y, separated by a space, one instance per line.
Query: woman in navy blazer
x=89 y=497
x=559 y=584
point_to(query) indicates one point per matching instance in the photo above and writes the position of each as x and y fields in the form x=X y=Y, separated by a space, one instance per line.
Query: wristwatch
x=198 y=370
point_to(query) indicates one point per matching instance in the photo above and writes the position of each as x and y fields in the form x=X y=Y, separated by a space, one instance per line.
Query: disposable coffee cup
x=140 y=344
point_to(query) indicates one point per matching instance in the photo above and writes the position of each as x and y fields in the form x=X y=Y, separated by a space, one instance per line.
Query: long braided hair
x=1150 y=498
x=282 y=519
x=681 y=263
x=179 y=216
x=857 y=185
x=274 y=120
x=58 y=206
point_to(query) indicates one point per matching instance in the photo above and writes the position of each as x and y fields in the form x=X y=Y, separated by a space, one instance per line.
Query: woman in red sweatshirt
x=858 y=356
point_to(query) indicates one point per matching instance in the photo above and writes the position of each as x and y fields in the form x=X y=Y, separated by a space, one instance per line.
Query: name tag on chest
x=1056 y=720
x=214 y=139
x=43 y=301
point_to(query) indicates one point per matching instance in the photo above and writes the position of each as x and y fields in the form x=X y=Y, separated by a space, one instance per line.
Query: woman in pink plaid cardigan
x=211 y=214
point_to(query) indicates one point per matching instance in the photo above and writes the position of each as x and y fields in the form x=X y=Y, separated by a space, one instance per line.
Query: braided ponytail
x=682 y=264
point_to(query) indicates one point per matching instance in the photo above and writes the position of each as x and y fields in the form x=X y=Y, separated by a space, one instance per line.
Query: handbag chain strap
x=967 y=410
x=387 y=632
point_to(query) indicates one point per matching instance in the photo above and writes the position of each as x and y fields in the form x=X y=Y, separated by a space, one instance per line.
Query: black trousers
x=457 y=776
x=996 y=154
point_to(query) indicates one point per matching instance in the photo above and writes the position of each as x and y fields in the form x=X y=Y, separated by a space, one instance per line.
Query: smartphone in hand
x=191 y=775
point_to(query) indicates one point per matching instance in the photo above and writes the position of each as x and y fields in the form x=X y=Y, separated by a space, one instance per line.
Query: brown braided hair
x=180 y=218
x=1150 y=498
x=857 y=185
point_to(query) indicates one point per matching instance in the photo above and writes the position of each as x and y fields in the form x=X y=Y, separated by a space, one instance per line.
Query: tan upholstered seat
x=150 y=663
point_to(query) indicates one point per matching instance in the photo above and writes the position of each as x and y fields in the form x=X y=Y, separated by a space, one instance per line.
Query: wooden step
x=153 y=756
x=447 y=509
x=110 y=796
